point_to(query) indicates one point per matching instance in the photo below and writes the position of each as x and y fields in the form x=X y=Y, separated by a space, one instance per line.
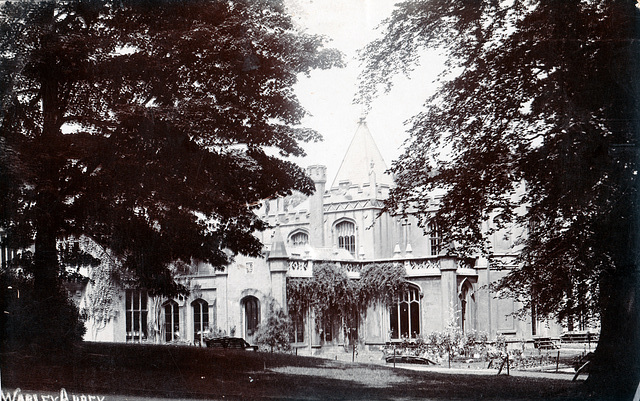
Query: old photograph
x=319 y=200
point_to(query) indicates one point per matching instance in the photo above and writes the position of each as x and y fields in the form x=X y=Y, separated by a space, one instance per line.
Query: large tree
x=152 y=127
x=536 y=121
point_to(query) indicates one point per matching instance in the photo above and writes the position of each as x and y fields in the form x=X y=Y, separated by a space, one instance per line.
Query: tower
x=316 y=206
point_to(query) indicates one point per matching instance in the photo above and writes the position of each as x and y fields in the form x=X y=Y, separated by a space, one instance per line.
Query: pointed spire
x=278 y=248
x=362 y=159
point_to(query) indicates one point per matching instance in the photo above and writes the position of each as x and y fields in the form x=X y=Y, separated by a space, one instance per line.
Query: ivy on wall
x=381 y=283
x=101 y=301
x=330 y=293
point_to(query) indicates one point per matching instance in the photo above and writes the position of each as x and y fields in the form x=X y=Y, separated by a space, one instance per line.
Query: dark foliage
x=535 y=125
x=275 y=331
x=330 y=293
x=26 y=320
x=145 y=126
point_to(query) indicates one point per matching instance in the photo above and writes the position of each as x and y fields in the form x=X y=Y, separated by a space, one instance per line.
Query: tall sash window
x=136 y=314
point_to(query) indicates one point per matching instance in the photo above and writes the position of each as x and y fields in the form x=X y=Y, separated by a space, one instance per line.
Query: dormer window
x=346 y=236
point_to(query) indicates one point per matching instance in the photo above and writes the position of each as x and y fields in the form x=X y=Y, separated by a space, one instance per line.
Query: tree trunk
x=55 y=319
x=45 y=269
x=615 y=366
x=48 y=213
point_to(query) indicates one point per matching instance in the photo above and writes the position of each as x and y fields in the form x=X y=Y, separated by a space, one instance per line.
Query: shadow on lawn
x=190 y=372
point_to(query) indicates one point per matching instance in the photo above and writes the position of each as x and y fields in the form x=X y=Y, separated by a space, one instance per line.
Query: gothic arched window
x=435 y=238
x=200 y=319
x=251 y=315
x=467 y=306
x=405 y=315
x=346 y=235
x=299 y=238
x=171 y=321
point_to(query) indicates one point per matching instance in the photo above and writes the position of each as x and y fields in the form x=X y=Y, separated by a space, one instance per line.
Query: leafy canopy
x=149 y=126
x=521 y=123
x=535 y=123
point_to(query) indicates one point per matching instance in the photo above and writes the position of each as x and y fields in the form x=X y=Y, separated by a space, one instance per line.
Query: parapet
x=318 y=173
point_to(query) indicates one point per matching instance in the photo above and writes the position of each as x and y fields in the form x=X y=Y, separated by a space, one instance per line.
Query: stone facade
x=338 y=224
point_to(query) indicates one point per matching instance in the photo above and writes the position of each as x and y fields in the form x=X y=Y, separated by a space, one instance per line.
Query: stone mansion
x=339 y=223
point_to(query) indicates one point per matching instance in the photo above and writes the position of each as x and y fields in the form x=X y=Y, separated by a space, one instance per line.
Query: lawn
x=175 y=372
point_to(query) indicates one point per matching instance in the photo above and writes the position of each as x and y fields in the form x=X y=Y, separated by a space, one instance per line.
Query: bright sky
x=328 y=95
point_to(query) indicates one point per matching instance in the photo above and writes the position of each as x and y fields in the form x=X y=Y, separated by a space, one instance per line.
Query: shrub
x=474 y=342
x=443 y=345
x=274 y=332
x=55 y=323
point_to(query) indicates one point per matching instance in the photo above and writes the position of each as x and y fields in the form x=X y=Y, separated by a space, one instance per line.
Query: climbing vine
x=101 y=301
x=332 y=294
x=382 y=283
x=299 y=295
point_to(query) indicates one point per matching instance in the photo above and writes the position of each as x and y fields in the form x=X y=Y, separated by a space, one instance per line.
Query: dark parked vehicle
x=230 y=343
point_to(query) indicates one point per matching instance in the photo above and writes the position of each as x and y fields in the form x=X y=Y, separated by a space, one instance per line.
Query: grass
x=172 y=372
